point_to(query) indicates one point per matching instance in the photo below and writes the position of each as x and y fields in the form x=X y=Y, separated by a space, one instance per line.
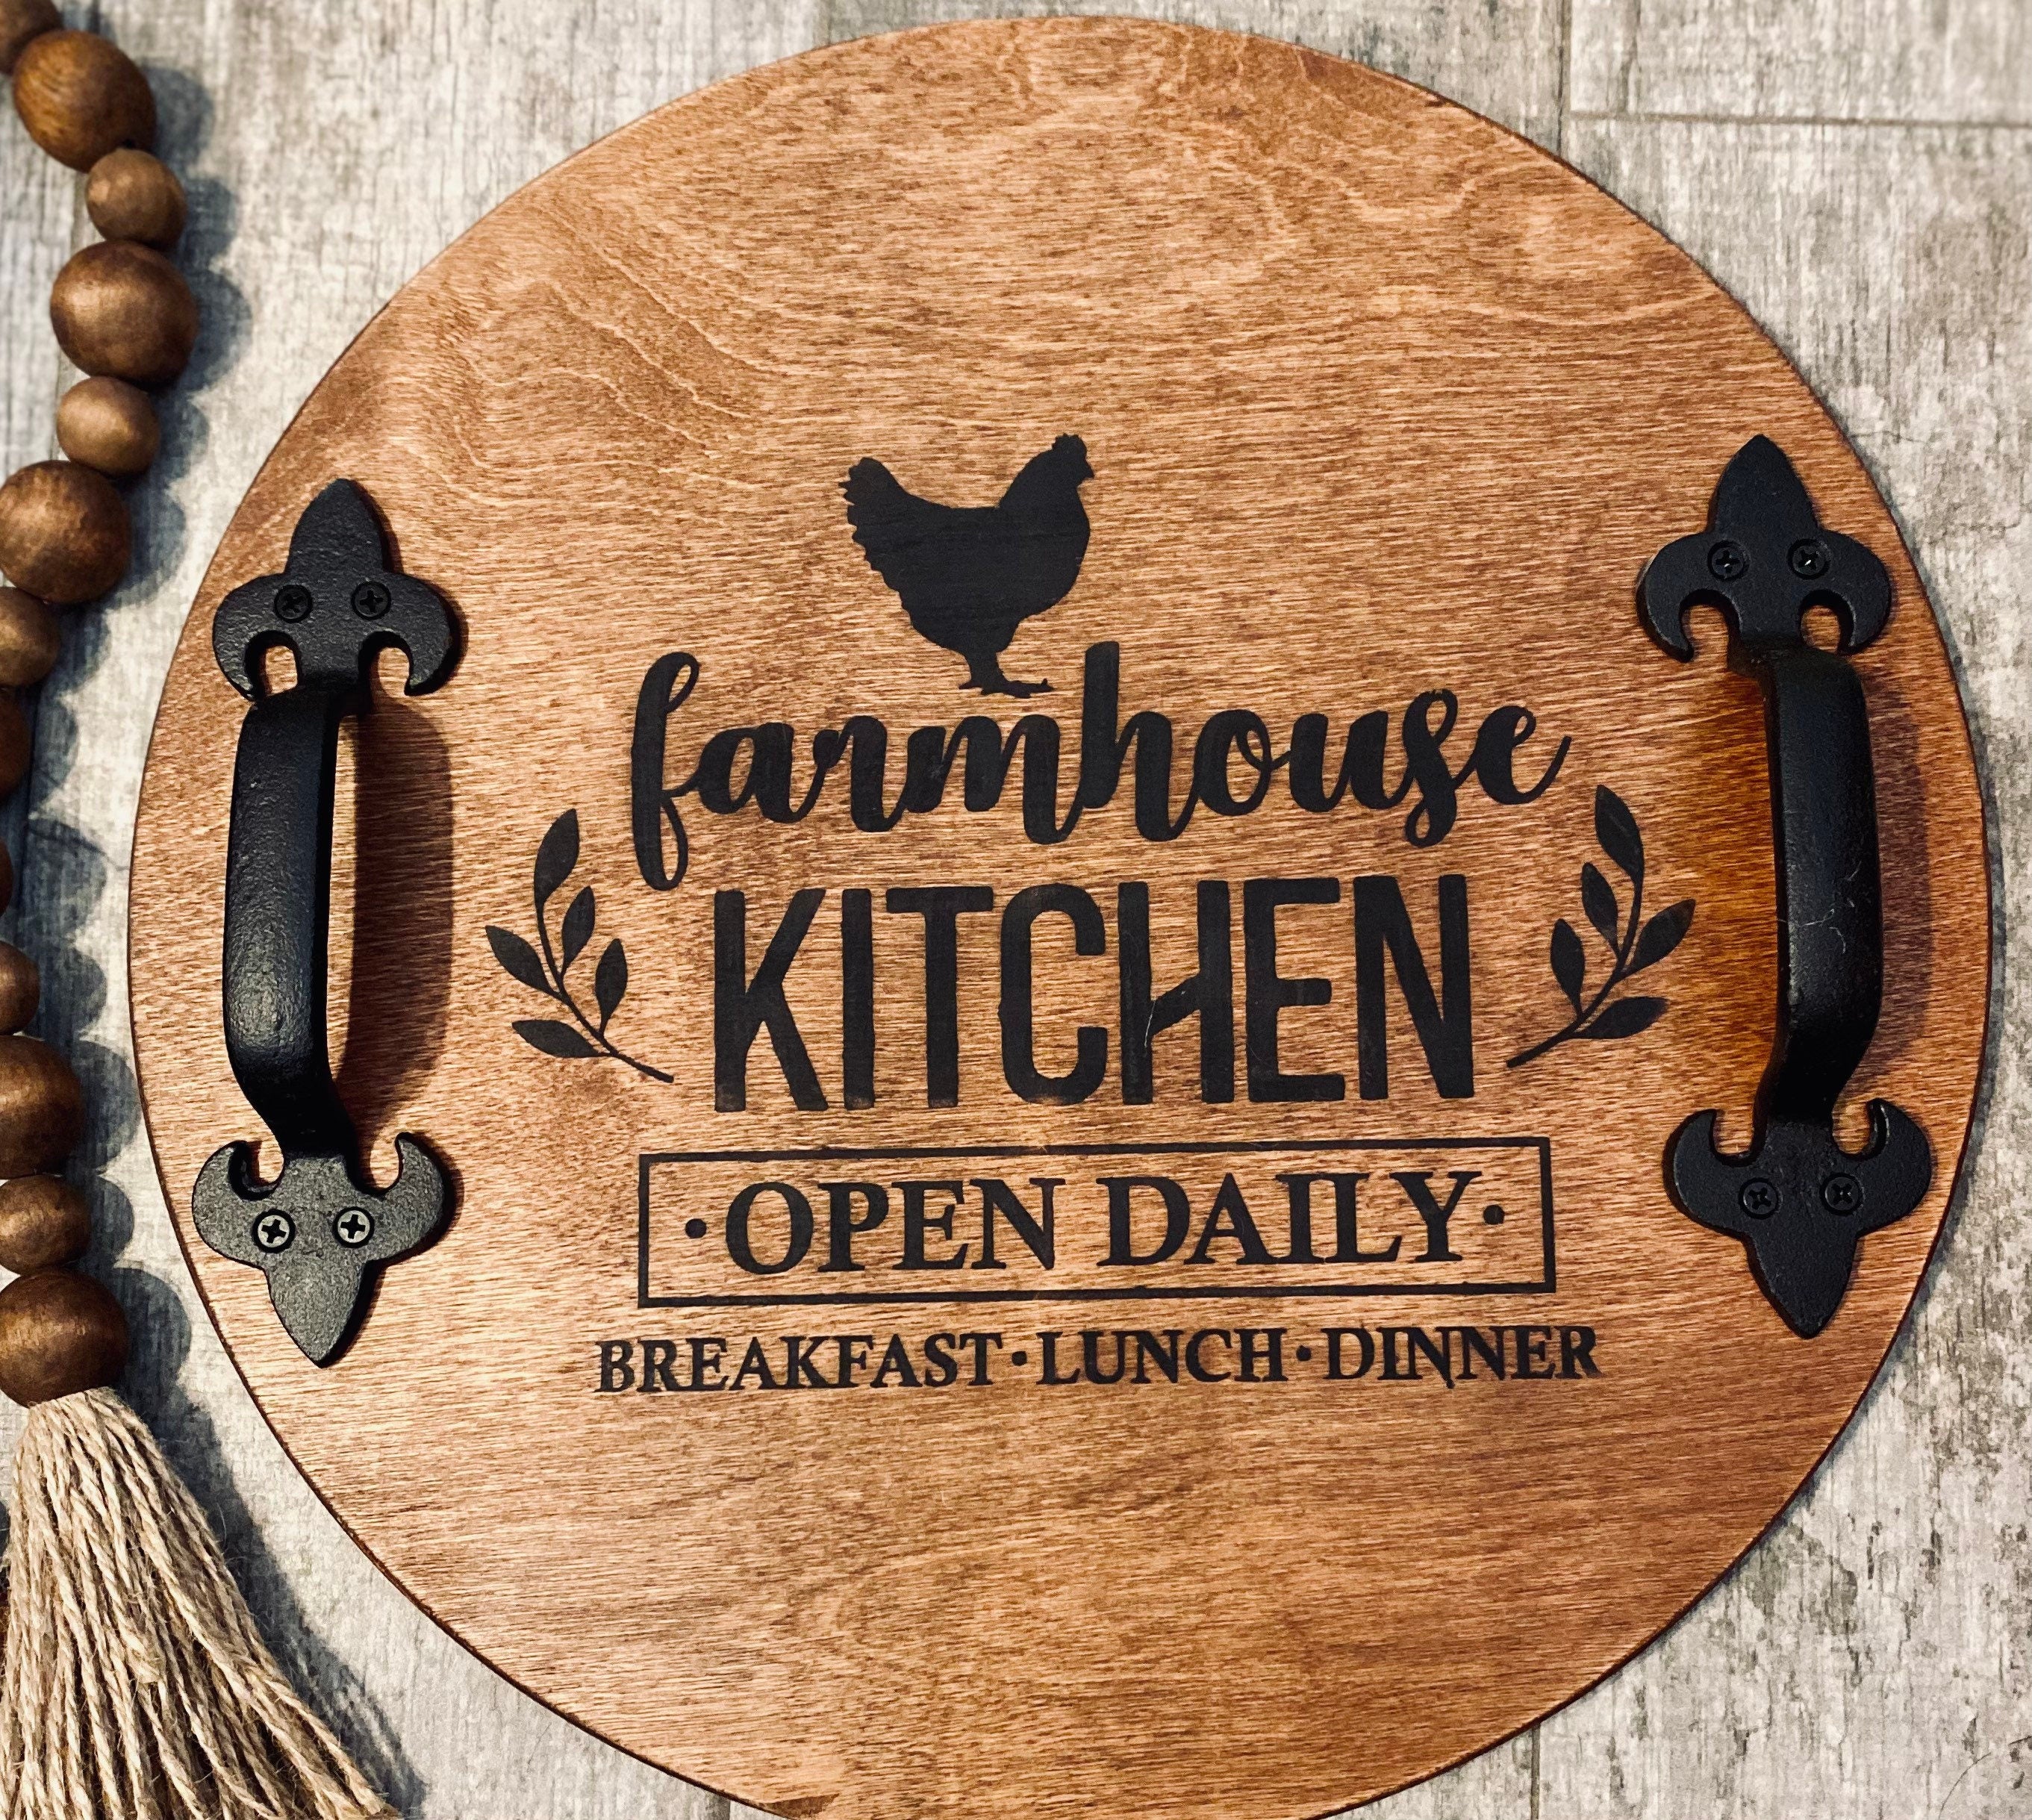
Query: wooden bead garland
x=123 y=313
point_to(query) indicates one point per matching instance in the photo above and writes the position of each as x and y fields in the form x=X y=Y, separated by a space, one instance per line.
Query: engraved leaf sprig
x=547 y=968
x=1633 y=943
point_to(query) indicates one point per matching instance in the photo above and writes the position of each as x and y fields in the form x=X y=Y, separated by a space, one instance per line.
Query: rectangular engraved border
x=1547 y=1280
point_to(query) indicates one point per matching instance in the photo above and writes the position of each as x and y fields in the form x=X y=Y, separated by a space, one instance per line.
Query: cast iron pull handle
x=320 y=1232
x=1800 y=1203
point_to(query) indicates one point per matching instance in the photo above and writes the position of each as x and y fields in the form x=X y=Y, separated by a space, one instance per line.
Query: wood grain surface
x=1895 y=1557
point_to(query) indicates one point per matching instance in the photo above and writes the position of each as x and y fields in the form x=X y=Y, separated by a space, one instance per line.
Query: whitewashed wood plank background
x=1858 y=172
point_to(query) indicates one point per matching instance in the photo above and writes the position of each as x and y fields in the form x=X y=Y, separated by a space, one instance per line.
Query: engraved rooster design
x=969 y=576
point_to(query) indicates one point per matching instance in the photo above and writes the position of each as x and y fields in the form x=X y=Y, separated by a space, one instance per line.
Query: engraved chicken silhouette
x=968 y=576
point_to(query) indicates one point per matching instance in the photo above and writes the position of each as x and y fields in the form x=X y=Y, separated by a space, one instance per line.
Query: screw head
x=1727 y=561
x=274 y=1232
x=370 y=599
x=1759 y=1199
x=293 y=602
x=353 y=1227
x=1841 y=1193
x=1810 y=558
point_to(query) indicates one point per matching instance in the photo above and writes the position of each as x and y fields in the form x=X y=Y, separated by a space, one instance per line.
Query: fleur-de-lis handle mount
x=1800 y=1203
x=320 y=1232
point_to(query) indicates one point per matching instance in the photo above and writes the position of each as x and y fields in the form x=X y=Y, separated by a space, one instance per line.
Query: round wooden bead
x=120 y=307
x=29 y=640
x=20 y=21
x=41 y=1107
x=43 y=1220
x=20 y=987
x=60 y=1333
x=63 y=533
x=132 y=196
x=81 y=97
x=110 y=425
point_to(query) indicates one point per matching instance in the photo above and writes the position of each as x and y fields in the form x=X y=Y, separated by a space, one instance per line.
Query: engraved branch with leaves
x=1633 y=943
x=549 y=972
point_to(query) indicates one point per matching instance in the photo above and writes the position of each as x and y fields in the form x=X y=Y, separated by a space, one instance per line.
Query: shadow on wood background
x=1858 y=172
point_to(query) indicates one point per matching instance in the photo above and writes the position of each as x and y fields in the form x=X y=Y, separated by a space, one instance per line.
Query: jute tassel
x=135 y=1686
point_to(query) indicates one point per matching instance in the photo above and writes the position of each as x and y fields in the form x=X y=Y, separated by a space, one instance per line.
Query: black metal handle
x=1830 y=907
x=320 y=1231
x=1800 y=1203
x=278 y=914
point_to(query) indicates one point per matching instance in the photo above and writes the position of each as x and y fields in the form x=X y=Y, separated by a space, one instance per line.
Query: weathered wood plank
x=1871 y=1657
x=1940 y=61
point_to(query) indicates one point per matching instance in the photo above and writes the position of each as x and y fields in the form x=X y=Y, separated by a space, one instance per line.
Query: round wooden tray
x=750 y=1411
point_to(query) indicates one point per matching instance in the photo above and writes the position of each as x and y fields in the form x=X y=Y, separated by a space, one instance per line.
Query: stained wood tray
x=970 y=1376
